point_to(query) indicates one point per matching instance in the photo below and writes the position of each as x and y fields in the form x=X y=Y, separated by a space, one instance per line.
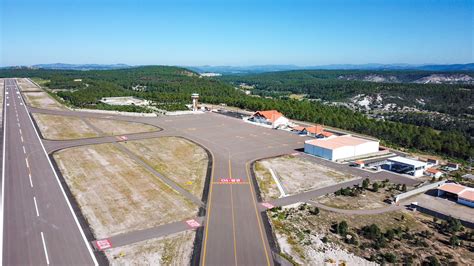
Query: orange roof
x=467 y=194
x=270 y=115
x=326 y=134
x=359 y=162
x=452 y=188
x=337 y=142
x=432 y=170
x=317 y=129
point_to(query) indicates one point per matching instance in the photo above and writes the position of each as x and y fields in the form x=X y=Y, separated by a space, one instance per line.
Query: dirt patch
x=57 y=127
x=176 y=158
x=298 y=174
x=42 y=100
x=115 y=127
x=174 y=249
x=117 y=195
x=310 y=238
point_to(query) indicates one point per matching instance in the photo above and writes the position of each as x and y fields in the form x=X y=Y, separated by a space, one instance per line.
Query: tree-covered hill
x=170 y=88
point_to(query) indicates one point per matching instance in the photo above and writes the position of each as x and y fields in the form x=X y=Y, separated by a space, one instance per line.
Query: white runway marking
x=21 y=133
x=36 y=207
x=24 y=151
x=31 y=181
x=27 y=165
x=21 y=138
x=45 y=249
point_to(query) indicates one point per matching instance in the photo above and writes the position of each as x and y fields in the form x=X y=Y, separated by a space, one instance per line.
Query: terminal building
x=271 y=118
x=461 y=194
x=341 y=147
x=404 y=165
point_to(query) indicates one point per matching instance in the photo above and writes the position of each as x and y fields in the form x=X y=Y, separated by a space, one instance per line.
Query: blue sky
x=228 y=32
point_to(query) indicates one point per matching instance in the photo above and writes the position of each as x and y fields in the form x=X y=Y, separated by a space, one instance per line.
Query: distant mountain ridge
x=273 y=68
x=264 y=68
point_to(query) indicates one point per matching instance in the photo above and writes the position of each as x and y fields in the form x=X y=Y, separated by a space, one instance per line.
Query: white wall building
x=341 y=147
x=406 y=166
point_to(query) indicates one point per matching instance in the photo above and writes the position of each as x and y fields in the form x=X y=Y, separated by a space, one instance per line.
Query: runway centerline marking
x=27 y=164
x=36 y=206
x=31 y=181
x=21 y=137
x=24 y=151
x=45 y=249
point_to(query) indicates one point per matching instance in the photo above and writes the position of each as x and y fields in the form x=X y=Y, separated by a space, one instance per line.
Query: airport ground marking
x=36 y=206
x=27 y=164
x=193 y=223
x=233 y=215
x=94 y=259
x=256 y=213
x=31 y=181
x=103 y=244
x=45 y=249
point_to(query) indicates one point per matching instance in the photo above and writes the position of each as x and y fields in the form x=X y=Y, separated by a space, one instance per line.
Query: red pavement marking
x=267 y=205
x=230 y=180
x=122 y=138
x=103 y=244
x=193 y=223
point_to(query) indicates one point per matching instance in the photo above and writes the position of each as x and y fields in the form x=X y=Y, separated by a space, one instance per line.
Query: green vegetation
x=170 y=88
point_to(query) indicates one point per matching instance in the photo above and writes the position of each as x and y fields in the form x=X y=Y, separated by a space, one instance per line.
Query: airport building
x=404 y=165
x=462 y=195
x=271 y=118
x=341 y=147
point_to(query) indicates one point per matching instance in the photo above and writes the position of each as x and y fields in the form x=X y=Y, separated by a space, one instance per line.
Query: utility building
x=341 y=147
x=404 y=165
x=462 y=195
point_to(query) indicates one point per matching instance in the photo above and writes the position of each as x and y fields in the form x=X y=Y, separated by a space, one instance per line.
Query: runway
x=39 y=227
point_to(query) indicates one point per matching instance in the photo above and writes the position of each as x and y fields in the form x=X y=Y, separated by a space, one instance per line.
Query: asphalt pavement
x=39 y=226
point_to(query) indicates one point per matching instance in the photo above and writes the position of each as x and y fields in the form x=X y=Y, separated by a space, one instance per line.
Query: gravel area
x=298 y=174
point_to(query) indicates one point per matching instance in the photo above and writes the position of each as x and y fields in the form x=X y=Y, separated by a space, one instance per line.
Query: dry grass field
x=57 y=127
x=117 y=195
x=26 y=86
x=174 y=249
x=176 y=158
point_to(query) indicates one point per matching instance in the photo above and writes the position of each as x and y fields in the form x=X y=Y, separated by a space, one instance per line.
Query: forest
x=170 y=87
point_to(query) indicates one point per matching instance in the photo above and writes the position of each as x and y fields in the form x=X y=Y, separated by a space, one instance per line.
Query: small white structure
x=433 y=172
x=271 y=118
x=195 y=98
x=406 y=166
x=341 y=147
x=128 y=100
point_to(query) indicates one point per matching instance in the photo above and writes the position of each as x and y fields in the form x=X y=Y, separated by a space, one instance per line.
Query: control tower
x=195 y=98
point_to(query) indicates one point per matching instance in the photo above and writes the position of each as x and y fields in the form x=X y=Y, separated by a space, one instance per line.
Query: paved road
x=38 y=224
